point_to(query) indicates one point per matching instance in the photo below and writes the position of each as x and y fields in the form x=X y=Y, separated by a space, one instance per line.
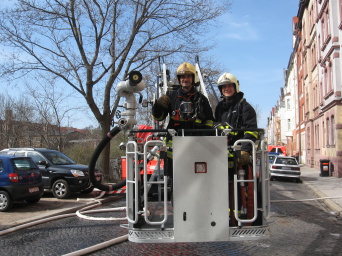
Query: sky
x=255 y=44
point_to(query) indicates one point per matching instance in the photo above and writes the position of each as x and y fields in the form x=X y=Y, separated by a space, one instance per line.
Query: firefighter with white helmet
x=186 y=106
x=234 y=112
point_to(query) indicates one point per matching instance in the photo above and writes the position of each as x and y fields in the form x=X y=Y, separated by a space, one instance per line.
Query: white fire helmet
x=228 y=78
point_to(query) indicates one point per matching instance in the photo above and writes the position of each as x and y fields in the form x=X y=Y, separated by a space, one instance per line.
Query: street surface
x=302 y=227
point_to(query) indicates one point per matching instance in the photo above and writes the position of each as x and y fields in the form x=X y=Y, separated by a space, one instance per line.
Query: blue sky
x=255 y=43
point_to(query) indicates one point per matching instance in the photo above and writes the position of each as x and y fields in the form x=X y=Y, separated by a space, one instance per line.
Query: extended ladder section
x=199 y=202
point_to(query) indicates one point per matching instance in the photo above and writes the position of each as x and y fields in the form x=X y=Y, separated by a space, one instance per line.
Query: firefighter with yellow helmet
x=234 y=112
x=186 y=106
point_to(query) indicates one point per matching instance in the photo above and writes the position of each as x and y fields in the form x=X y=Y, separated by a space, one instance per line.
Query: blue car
x=20 y=179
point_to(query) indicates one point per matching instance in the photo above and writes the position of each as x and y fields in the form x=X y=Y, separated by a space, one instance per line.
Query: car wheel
x=61 y=189
x=87 y=190
x=6 y=201
x=33 y=200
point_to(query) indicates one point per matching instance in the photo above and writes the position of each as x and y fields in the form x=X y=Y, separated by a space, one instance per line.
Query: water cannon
x=126 y=89
x=134 y=84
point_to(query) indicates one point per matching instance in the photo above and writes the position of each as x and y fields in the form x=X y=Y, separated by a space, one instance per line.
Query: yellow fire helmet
x=187 y=68
x=228 y=78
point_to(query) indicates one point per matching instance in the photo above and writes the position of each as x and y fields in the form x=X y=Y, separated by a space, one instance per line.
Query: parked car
x=61 y=175
x=285 y=166
x=20 y=179
x=272 y=156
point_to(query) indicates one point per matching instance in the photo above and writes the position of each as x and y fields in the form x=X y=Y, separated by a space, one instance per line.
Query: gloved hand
x=221 y=126
x=164 y=101
x=244 y=158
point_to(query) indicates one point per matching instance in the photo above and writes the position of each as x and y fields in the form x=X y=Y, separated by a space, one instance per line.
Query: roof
x=27 y=149
x=5 y=156
x=286 y=157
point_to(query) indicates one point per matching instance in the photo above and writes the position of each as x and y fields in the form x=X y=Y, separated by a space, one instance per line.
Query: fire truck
x=200 y=203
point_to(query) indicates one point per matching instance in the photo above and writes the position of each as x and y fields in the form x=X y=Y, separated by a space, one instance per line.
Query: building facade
x=310 y=104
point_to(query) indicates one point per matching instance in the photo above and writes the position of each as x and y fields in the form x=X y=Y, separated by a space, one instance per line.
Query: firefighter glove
x=164 y=101
x=221 y=126
x=244 y=158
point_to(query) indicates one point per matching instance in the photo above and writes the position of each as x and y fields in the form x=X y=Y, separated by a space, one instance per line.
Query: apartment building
x=310 y=105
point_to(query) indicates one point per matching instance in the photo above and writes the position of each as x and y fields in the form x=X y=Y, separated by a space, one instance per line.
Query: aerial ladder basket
x=194 y=205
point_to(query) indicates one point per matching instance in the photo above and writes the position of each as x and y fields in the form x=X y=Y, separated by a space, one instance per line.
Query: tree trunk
x=105 y=155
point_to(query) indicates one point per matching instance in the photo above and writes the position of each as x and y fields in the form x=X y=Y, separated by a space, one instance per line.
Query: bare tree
x=93 y=44
x=13 y=119
x=51 y=106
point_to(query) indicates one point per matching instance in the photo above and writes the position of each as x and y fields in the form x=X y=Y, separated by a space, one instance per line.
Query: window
x=323 y=127
x=321 y=93
x=289 y=124
x=288 y=104
x=313 y=56
x=328 y=131
x=315 y=96
x=323 y=31
x=308 y=138
x=35 y=157
x=24 y=164
x=340 y=9
x=330 y=67
x=332 y=132
x=317 y=144
x=326 y=82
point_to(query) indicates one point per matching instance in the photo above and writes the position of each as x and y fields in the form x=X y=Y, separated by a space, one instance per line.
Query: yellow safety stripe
x=239 y=211
x=221 y=127
x=254 y=134
x=158 y=118
x=230 y=156
x=209 y=123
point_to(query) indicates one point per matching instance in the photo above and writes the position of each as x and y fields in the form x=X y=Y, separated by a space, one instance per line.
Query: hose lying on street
x=303 y=200
x=99 y=246
x=81 y=213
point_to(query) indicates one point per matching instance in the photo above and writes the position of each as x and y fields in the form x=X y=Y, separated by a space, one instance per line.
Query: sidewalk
x=326 y=189
x=47 y=207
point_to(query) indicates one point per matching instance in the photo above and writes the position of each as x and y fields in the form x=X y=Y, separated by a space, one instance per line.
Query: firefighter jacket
x=200 y=118
x=237 y=113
